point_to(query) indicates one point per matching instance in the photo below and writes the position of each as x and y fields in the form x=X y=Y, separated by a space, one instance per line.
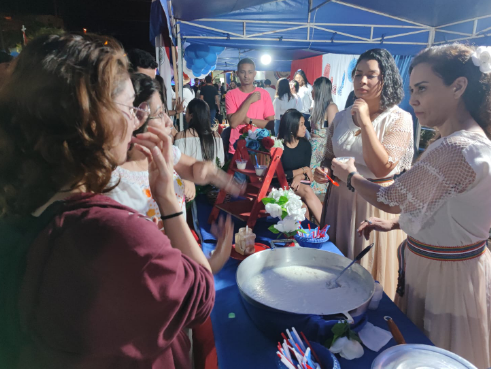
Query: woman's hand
x=157 y=147
x=342 y=170
x=207 y=172
x=189 y=190
x=361 y=112
x=179 y=105
x=223 y=230
x=377 y=224
x=320 y=175
x=310 y=175
x=296 y=181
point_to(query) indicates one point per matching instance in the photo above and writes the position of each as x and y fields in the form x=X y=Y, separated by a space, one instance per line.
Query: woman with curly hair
x=378 y=134
x=444 y=203
x=85 y=281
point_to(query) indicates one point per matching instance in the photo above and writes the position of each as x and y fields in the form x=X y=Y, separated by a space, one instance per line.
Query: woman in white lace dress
x=379 y=135
x=444 y=204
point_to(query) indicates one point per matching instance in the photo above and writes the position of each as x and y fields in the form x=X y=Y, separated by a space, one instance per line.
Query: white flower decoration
x=276 y=194
x=295 y=210
x=274 y=210
x=278 y=143
x=289 y=224
x=347 y=348
x=482 y=58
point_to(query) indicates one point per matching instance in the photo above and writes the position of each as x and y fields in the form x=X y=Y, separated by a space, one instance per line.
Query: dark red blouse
x=104 y=288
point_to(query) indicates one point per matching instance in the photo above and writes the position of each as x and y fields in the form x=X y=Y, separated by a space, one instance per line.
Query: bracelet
x=171 y=216
x=348 y=182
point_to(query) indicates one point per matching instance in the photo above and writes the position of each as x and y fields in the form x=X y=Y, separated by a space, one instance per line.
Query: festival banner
x=338 y=69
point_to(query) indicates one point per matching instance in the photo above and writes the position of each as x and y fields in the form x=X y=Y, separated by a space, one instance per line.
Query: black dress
x=296 y=158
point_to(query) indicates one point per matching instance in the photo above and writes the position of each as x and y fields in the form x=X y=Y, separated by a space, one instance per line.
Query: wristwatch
x=250 y=121
x=348 y=181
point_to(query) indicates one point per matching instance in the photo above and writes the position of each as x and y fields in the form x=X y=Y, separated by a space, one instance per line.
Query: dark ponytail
x=200 y=122
x=453 y=61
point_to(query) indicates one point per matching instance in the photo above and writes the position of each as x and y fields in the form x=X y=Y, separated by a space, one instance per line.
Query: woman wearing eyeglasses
x=87 y=282
x=134 y=187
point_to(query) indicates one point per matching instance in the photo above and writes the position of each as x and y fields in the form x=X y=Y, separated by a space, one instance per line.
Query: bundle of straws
x=317 y=233
x=295 y=353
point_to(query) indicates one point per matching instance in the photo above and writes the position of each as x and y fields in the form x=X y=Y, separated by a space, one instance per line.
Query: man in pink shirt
x=247 y=104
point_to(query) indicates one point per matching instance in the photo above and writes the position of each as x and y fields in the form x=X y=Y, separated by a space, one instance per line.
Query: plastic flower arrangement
x=287 y=206
x=345 y=342
x=259 y=140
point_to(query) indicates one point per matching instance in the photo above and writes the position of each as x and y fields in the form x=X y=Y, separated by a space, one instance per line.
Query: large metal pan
x=274 y=258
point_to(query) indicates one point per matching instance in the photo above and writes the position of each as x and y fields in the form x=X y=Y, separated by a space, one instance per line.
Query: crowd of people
x=99 y=266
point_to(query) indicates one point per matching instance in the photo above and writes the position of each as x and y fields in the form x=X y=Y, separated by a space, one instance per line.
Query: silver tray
x=413 y=356
x=263 y=261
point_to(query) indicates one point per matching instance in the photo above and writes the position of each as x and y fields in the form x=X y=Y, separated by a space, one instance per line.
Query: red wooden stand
x=251 y=208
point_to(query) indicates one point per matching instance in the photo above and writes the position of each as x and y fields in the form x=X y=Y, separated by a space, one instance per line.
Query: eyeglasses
x=160 y=115
x=138 y=112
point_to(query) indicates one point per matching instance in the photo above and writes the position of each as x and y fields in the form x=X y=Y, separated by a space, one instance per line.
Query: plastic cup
x=241 y=164
x=377 y=296
x=344 y=159
x=260 y=169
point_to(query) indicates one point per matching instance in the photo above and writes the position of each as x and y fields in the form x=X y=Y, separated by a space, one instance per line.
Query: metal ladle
x=334 y=282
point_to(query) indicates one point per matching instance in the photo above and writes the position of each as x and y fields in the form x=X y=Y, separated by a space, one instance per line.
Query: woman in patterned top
x=134 y=189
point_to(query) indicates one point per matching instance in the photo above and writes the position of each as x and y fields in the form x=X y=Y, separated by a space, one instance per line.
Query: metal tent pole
x=180 y=71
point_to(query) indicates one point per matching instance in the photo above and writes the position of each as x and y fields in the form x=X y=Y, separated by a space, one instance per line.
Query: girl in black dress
x=296 y=159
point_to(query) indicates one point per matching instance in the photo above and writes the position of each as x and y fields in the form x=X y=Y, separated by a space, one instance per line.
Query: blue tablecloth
x=239 y=343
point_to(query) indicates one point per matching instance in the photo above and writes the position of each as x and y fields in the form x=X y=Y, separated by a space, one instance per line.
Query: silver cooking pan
x=261 y=262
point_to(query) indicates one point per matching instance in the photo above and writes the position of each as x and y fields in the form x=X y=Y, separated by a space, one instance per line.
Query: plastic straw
x=298 y=338
x=286 y=351
x=285 y=361
x=311 y=349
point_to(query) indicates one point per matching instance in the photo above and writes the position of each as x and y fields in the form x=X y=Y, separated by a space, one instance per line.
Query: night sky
x=126 y=20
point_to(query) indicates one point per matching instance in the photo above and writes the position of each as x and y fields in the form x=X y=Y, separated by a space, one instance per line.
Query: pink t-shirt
x=259 y=110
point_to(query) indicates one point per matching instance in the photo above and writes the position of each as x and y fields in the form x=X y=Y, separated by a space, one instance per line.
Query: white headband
x=482 y=58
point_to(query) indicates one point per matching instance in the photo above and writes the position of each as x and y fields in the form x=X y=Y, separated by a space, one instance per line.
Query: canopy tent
x=344 y=27
x=286 y=28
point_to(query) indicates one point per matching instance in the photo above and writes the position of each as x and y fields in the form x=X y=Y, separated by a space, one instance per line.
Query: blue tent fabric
x=349 y=27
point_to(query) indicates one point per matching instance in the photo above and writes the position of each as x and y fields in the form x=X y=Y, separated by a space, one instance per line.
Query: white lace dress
x=445 y=201
x=345 y=210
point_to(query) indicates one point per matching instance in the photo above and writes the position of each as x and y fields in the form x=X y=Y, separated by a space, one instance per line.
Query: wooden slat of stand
x=252 y=208
x=240 y=209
